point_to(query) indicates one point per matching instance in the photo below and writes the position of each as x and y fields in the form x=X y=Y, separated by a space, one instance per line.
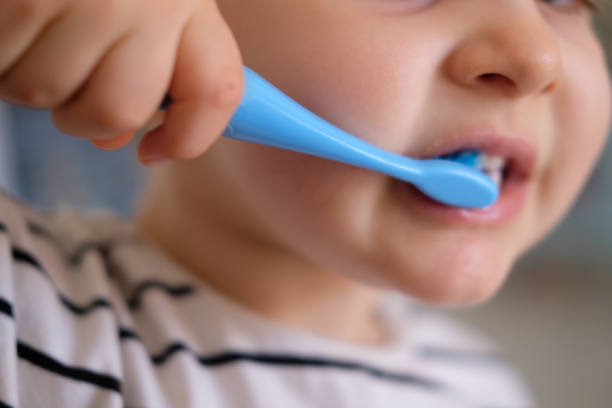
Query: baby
x=257 y=277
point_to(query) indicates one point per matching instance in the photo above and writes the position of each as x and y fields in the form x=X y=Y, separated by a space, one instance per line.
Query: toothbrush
x=267 y=116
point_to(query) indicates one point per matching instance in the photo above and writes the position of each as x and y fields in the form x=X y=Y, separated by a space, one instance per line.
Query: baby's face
x=523 y=78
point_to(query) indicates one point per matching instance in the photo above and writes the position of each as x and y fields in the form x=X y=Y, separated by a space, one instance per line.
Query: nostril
x=550 y=87
x=497 y=78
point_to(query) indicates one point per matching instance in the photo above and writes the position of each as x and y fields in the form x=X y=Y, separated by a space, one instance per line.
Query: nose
x=510 y=50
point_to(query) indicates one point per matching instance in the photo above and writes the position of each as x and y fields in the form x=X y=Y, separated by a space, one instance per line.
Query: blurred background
x=553 y=316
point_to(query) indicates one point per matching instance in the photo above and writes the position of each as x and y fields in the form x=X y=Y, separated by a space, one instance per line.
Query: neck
x=242 y=263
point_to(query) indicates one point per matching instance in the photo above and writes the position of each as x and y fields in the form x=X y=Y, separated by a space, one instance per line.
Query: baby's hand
x=103 y=66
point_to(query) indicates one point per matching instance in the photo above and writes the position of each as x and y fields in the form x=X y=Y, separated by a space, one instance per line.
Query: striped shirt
x=92 y=316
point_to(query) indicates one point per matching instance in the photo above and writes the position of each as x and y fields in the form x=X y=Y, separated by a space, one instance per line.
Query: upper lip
x=520 y=153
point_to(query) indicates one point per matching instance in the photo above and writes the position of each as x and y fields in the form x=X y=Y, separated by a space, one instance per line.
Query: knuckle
x=25 y=10
x=33 y=95
x=108 y=10
x=226 y=92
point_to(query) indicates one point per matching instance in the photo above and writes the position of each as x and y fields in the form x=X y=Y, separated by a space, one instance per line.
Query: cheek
x=355 y=74
x=582 y=118
x=319 y=208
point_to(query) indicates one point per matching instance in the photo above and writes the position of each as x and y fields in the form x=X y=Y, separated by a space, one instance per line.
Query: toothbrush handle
x=267 y=116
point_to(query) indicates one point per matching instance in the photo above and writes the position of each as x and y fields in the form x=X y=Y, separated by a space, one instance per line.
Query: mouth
x=509 y=161
x=506 y=158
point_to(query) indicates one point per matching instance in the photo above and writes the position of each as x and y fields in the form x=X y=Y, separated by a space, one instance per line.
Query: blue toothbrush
x=267 y=116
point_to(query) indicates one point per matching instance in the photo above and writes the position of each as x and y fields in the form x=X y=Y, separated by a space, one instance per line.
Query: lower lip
x=508 y=205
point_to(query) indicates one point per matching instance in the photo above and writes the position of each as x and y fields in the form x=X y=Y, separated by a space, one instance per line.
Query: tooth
x=493 y=162
x=496 y=176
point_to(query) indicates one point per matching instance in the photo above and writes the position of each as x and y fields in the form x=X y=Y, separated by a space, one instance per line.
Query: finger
x=113 y=143
x=125 y=87
x=60 y=61
x=206 y=87
x=21 y=21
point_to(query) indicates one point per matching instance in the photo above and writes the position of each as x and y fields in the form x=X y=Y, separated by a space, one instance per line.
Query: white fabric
x=121 y=324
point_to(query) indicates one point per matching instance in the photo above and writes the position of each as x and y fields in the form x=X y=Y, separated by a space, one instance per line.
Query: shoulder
x=61 y=308
x=471 y=365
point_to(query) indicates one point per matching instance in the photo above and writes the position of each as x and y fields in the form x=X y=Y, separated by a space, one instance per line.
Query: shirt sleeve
x=11 y=231
x=57 y=336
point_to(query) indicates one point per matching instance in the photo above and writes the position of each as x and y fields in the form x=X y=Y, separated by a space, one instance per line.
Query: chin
x=452 y=281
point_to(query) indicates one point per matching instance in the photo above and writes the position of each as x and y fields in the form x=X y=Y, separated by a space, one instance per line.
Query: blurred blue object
x=7 y=152
x=48 y=169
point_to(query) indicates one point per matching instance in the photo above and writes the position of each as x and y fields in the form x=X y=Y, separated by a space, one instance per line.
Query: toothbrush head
x=458 y=181
x=471 y=158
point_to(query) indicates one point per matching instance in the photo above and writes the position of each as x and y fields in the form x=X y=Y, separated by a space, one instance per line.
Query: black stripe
x=6 y=308
x=125 y=334
x=37 y=229
x=229 y=357
x=43 y=232
x=75 y=259
x=5 y=405
x=174 y=291
x=22 y=256
x=467 y=356
x=84 y=310
x=105 y=247
x=3 y=228
x=48 y=363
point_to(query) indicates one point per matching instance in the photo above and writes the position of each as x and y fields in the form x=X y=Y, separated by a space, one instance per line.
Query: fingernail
x=113 y=143
x=155 y=160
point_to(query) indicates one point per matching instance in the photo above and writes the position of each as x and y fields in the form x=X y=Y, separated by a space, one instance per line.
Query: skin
x=313 y=243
